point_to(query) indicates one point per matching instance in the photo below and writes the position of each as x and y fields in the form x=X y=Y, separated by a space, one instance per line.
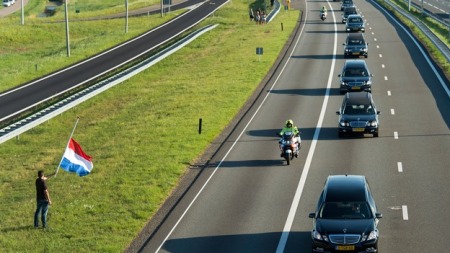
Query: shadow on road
x=263 y=242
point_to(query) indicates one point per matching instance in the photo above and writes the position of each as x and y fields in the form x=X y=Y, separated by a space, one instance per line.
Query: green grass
x=437 y=28
x=142 y=134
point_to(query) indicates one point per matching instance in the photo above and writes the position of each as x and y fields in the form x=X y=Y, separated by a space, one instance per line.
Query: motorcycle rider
x=323 y=11
x=290 y=127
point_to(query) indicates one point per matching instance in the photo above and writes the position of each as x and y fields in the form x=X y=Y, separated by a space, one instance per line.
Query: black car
x=358 y=114
x=347 y=3
x=348 y=11
x=355 y=76
x=356 y=45
x=355 y=23
x=346 y=216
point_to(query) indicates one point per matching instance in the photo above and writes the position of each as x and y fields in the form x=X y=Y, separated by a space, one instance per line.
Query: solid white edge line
x=405 y=212
x=427 y=58
x=234 y=143
x=301 y=183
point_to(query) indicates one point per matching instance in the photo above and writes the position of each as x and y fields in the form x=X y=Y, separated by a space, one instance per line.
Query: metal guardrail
x=441 y=46
x=50 y=112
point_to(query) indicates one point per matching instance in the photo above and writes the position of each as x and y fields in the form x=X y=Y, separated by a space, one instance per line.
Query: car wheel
x=365 y=56
x=375 y=134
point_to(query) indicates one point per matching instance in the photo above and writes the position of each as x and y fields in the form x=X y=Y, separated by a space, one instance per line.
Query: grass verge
x=141 y=133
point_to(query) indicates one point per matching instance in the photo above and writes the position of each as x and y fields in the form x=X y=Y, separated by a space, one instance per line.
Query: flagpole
x=70 y=137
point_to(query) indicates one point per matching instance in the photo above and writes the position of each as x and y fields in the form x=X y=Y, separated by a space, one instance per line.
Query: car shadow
x=319 y=57
x=307 y=92
x=252 y=242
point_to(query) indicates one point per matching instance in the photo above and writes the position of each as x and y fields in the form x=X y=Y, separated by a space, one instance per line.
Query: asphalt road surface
x=248 y=200
x=31 y=94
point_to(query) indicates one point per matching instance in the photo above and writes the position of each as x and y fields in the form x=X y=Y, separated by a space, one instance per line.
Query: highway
x=248 y=200
x=29 y=95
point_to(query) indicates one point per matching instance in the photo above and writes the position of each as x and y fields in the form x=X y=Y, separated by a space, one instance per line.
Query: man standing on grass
x=42 y=199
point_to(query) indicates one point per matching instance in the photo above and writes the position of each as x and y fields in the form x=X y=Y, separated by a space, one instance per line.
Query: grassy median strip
x=142 y=134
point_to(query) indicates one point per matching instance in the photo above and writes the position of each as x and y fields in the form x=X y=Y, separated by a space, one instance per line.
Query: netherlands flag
x=75 y=160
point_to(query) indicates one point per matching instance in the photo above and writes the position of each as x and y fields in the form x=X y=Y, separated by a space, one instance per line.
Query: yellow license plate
x=345 y=247
x=359 y=129
x=356 y=88
x=355 y=53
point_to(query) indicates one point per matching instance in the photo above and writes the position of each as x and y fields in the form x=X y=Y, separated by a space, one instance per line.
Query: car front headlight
x=316 y=235
x=343 y=123
x=344 y=83
x=373 y=123
x=372 y=236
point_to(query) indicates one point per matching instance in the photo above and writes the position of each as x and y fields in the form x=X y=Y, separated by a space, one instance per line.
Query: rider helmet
x=289 y=123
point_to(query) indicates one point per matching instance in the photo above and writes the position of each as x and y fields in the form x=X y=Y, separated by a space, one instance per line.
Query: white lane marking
x=396 y=135
x=378 y=46
x=400 y=166
x=372 y=32
x=389 y=93
x=392 y=111
x=405 y=212
x=302 y=181
x=427 y=58
x=245 y=129
x=385 y=78
x=375 y=39
x=382 y=66
x=381 y=56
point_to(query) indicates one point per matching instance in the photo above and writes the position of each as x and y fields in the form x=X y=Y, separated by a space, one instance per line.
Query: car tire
x=365 y=56
x=375 y=135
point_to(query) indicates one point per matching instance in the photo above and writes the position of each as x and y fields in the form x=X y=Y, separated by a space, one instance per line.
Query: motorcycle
x=323 y=15
x=288 y=146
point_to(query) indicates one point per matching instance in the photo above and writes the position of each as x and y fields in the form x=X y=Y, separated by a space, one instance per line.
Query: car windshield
x=359 y=110
x=345 y=210
x=354 y=72
x=355 y=20
x=347 y=2
x=355 y=42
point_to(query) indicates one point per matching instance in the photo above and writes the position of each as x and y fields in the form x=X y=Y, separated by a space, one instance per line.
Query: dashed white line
x=374 y=39
x=389 y=93
x=378 y=46
x=392 y=112
x=381 y=56
x=396 y=135
x=382 y=66
x=385 y=78
x=400 y=167
x=405 y=212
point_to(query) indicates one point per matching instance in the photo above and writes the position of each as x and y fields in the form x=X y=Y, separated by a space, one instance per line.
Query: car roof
x=354 y=63
x=342 y=188
x=354 y=16
x=358 y=98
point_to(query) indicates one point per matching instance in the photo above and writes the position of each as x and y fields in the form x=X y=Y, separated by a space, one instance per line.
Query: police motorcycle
x=323 y=14
x=289 y=146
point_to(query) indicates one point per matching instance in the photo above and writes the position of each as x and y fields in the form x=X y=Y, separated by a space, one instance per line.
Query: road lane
x=245 y=205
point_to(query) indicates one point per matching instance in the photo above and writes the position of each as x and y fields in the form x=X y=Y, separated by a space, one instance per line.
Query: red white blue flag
x=75 y=160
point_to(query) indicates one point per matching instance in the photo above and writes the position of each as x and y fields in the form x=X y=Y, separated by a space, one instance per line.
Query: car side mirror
x=371 y=75
x=312 y=215
x=378 y=112
x=339 y=75
x=338 y=113
x=379 y=215
x=343 y=44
